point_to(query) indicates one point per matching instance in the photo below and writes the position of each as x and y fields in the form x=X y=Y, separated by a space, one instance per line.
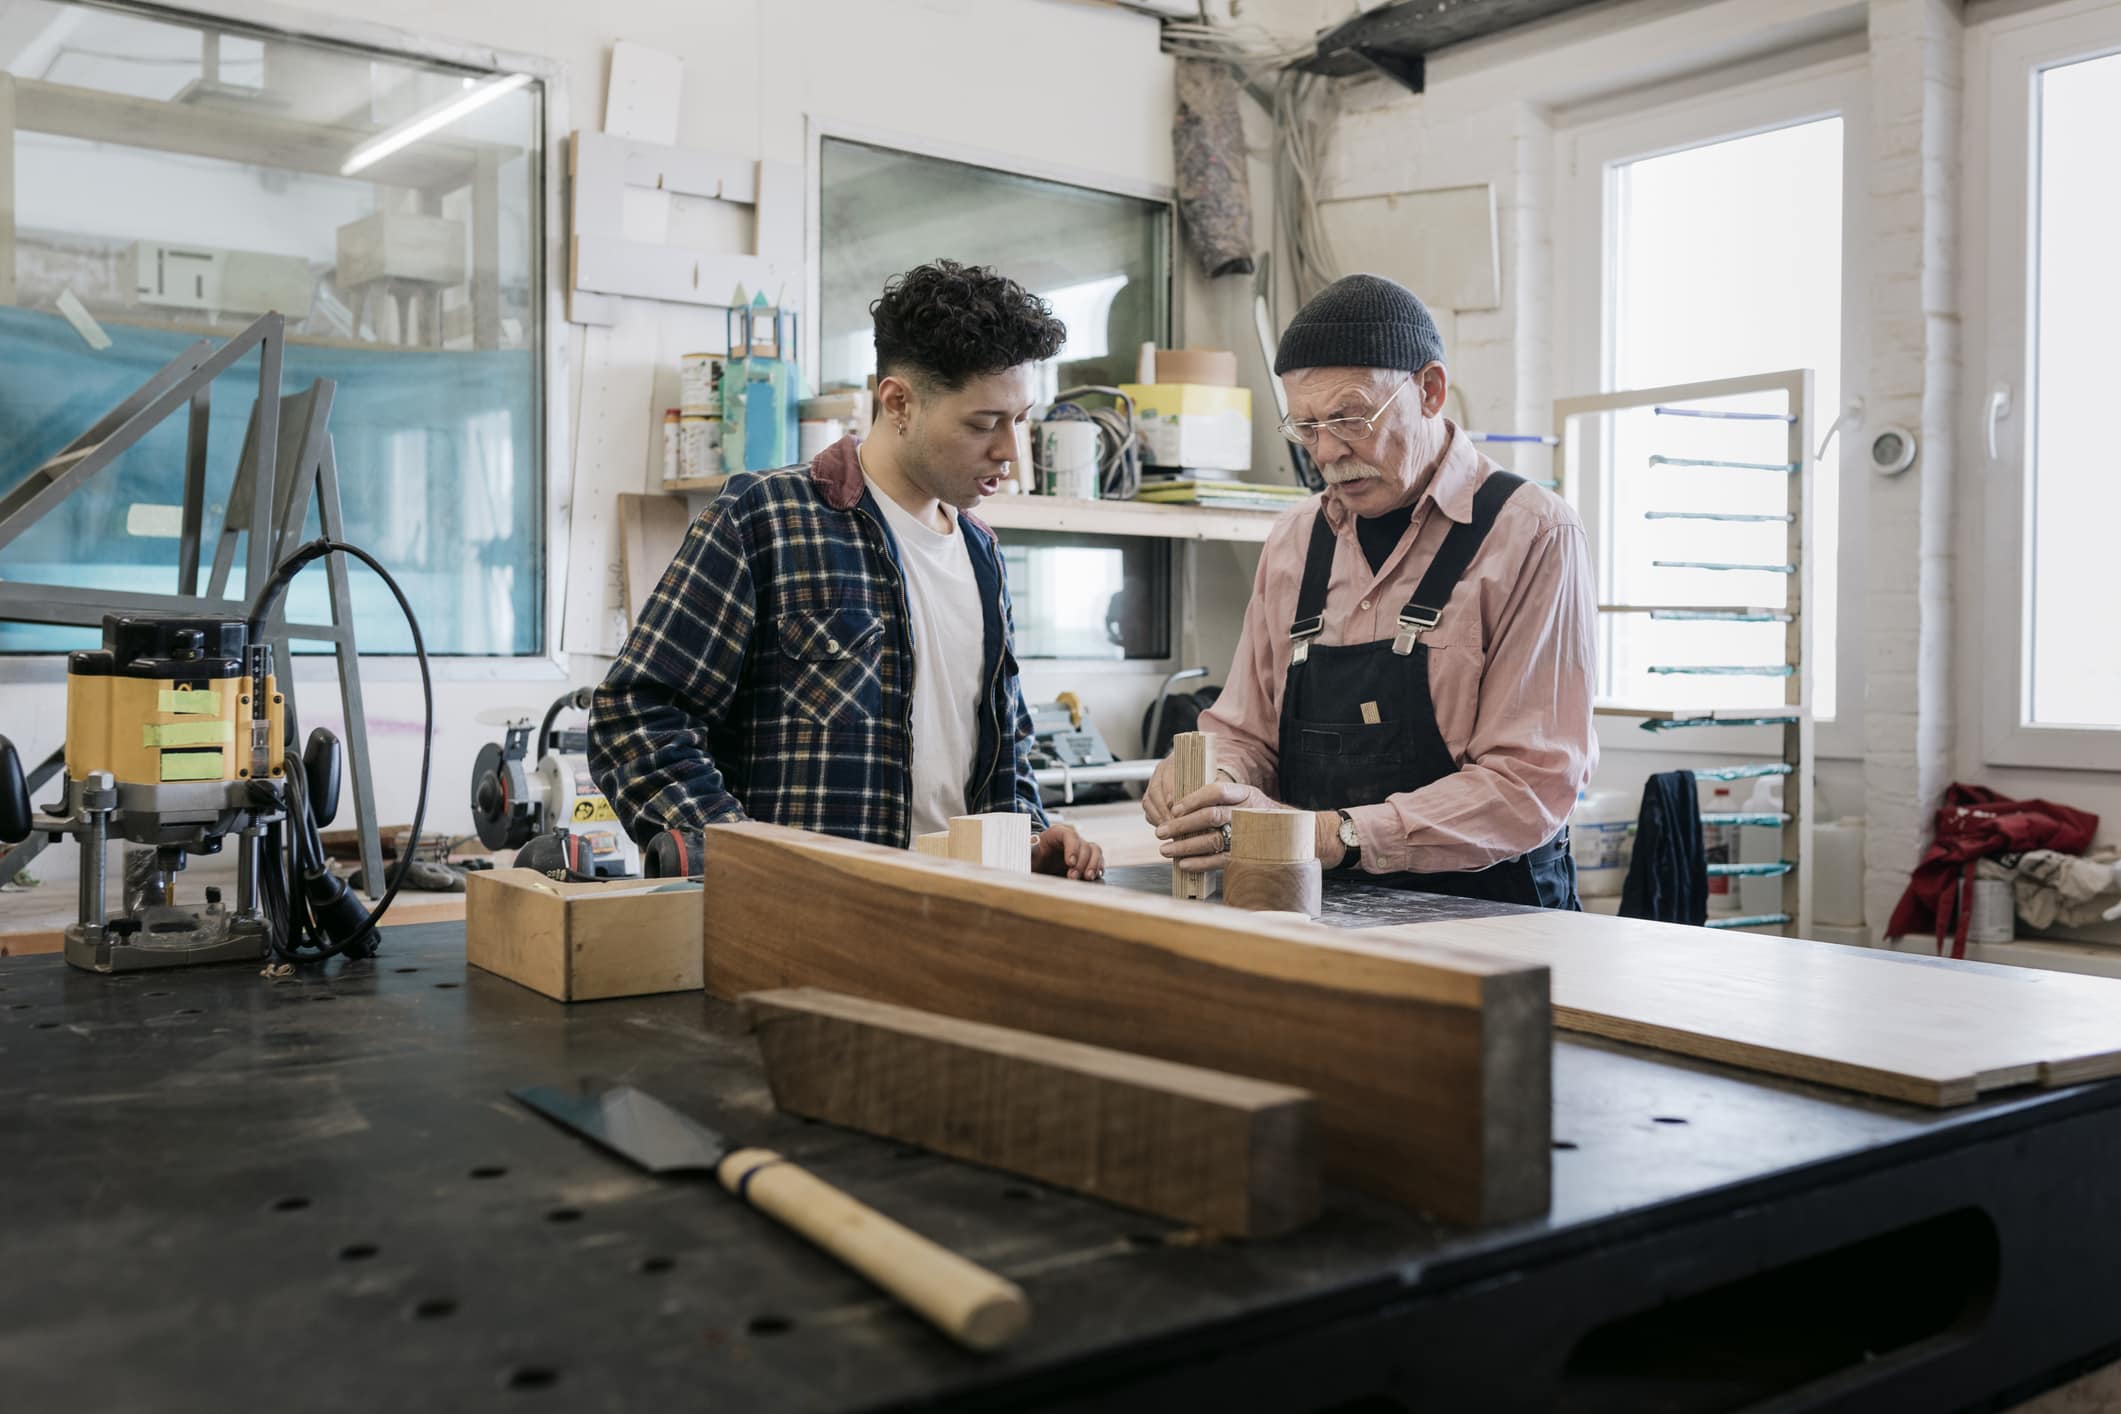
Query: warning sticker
x=593 y=807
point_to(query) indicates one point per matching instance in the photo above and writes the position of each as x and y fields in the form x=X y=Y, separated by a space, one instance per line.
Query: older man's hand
x=1193 y=830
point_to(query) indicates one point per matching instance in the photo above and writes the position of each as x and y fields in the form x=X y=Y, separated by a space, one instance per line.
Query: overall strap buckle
x=1303 y=631
x=1414 y=621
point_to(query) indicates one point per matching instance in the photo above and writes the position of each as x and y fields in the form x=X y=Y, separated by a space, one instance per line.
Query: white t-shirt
x=949 y=643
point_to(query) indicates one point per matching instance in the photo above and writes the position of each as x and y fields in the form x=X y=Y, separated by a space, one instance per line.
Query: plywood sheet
x=1926 y=1030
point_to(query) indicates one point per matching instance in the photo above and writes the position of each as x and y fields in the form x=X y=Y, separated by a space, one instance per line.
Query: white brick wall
x=1915 y=60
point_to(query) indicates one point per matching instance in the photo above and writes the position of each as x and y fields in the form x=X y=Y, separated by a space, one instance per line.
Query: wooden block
x=936 y=844
x=1931 y=1031
x=578 y=942
x=651 y=531
x=1275 y=885
x=1194 y=756
x=1273 y=835
x=998 y=840
x=1198 y=1146
x=1432 y=1067
x=401 y=245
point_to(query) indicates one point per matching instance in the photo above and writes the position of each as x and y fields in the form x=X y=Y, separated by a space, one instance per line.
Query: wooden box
x=400 y=245
x=579 y=942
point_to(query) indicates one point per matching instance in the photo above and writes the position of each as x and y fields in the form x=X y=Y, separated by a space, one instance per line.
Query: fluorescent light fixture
x=432 y=121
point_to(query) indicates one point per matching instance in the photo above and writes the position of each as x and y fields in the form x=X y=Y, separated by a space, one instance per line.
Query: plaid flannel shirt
x=770 y=676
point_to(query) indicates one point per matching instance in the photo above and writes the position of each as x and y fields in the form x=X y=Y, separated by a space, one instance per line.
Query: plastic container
x=1994 y=918
x=1598 y=841
x=1720 y=845
x=1762 y=844
x=1837 y=873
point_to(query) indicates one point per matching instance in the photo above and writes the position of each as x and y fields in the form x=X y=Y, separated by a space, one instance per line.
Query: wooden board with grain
x=1929 y=1031
x=651 y=529
x=1192 y=766
x=1220 y=1151
x=1432 y=1066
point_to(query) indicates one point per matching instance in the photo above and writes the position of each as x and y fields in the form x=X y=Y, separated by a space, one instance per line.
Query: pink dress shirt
x=1510 y=669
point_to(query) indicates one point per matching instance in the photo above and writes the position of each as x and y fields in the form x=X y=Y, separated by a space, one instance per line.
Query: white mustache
x=1341 y=472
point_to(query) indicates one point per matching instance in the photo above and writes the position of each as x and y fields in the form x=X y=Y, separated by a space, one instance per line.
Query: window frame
x=1586 y=277
x=816 y=129
x=551 y=332
x=2004 y=58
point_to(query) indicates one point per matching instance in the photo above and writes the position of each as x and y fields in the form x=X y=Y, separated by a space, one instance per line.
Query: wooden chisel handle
x=962 y=1299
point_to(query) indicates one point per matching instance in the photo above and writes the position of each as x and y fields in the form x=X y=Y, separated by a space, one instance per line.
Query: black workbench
x=221 y=1192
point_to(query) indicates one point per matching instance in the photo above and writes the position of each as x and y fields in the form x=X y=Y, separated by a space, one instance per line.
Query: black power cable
x=326 y=905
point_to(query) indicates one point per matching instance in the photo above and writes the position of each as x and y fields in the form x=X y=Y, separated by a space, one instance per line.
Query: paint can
x=1994 y=918
x=700 y=384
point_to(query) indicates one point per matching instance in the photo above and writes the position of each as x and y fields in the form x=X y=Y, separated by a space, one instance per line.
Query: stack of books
x=1222 y=495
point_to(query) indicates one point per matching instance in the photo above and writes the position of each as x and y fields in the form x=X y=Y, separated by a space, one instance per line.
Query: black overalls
x=1333 y=756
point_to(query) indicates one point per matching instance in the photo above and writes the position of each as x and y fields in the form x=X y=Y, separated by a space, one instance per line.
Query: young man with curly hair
x=831 y=648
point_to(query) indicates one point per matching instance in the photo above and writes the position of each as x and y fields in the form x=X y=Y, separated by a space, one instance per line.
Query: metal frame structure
x=266 y=507
x=1799 y=749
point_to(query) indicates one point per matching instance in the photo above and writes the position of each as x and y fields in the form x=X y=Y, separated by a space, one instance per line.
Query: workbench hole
x=771 y=1325
x=532 y=1377
x=1145 y=1239
x=293 y=1203
x=357 y=1251
x=488 y=1171
x=564 y=1215
x=434 y=1308
x=188 y=1011
x=46 y=1025
x=1018 y=1195
x=405 y=969
x=653 y=1266
x=19 y=1006
x=907 y=1153
x=1564 y=1143
x=154 y=994
x=1668 y=1119
x=324 y=997
x=445 y=986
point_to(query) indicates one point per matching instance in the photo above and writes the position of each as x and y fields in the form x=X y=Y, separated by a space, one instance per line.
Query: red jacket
x=1972 y=824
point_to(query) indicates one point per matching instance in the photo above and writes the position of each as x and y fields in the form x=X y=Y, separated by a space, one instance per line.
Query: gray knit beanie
x=1361 y=321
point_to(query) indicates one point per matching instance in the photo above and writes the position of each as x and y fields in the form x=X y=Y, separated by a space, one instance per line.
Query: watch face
x=1348 y=836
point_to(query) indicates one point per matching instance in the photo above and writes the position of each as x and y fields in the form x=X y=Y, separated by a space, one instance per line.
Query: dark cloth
x=770 y=675
x=1974 y=823
x=1208 y=149
x=1380 y=535
x=1668 y=879
x=1361 y=321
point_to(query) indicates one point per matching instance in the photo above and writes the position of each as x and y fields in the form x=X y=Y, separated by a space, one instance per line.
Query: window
x=1089 y=596
x=178 y=177
x=1712 y=243
x=1101 y=259
x=2053 y=298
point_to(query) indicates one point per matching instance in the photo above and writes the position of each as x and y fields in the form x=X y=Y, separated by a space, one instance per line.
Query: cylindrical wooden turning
x=1279 y=835
x=1273 y=885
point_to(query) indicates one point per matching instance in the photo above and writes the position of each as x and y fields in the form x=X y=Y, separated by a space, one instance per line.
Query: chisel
x=962 y=1299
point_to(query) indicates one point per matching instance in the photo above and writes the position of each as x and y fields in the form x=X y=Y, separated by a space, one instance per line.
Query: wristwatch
x=1353 y=858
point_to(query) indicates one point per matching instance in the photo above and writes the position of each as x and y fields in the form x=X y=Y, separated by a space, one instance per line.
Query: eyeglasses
x=1347 y=429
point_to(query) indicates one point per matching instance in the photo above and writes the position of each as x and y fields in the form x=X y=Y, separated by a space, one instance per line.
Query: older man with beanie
x=1415 y=665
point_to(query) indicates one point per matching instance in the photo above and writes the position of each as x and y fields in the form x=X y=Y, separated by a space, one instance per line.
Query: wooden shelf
x=1060 y=513
x=1064 y=514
